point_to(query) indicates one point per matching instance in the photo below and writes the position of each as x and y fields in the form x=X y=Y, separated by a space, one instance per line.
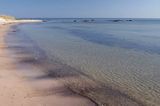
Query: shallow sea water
x=125 y=55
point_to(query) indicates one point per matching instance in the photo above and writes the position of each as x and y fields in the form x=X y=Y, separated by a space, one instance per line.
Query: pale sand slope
x=3 y=21
x=16 y=90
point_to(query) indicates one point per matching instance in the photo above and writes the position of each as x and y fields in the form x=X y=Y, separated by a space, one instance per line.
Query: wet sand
x=17 y=90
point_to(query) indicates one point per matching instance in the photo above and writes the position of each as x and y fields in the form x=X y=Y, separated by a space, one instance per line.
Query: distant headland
x=4 y=19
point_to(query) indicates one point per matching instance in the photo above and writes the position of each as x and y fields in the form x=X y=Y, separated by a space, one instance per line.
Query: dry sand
x=16 y=90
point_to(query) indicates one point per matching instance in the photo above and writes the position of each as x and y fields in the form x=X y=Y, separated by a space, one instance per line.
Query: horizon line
x=93 y=17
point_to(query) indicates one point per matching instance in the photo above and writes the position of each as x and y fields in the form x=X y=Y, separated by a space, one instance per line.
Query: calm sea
x=124 y=53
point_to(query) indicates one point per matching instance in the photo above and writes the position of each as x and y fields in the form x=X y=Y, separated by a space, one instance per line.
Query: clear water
x=125 y=53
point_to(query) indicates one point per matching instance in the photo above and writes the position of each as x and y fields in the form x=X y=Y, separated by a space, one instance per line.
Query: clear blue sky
x=82 y=8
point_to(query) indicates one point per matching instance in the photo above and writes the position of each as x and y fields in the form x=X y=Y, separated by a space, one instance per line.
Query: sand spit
x=17 y=90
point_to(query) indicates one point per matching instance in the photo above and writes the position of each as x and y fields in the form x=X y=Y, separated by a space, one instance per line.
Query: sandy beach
x=17 y=90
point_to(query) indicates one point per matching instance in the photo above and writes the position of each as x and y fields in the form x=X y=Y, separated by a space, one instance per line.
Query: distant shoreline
x=9 y=20
x=20 y=21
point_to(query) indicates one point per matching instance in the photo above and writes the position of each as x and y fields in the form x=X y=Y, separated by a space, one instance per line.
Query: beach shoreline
x=17 y=90
x=41 y=71
x=62 y=82
x=29 y=53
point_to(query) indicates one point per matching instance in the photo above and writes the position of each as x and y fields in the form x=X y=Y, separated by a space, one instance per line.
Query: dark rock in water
x=85 y=20
x=74 y=20
x=117 y=20
x=89 y=20
x=44 y=20
x=129 y=20
x=92 y=20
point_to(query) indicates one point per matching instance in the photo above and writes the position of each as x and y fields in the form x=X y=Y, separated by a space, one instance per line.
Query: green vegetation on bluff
x=7 y=17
